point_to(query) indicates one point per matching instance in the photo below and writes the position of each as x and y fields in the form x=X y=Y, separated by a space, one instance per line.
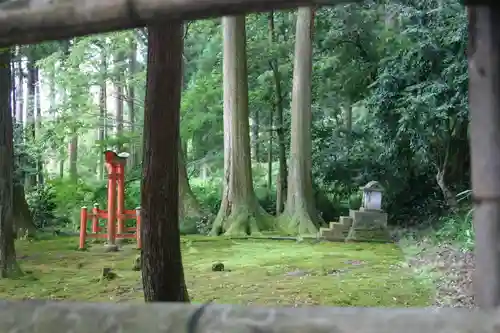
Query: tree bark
x=30 y=120
x=23 y=219
x=119 y=81
x=132 y=68
x=162 y=270
x=348 y=120
x=281 y=181
x=38 y=124
x=8 y=263
x=300 y=215
x=255 y=135
x=20 y=92
x=102 y=109
x=240 y=212
x=449 y=197
x=270 y=153
x=73 y=155
x=188 y=204
x=73 y=144
x=13 y=90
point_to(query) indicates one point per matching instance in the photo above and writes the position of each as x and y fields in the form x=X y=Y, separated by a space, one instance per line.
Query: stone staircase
x=337 y=231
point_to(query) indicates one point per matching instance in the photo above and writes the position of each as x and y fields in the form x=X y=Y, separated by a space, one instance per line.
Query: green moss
x=297 y=224
x=243 y=220
x=337 y=274
x=368 y=234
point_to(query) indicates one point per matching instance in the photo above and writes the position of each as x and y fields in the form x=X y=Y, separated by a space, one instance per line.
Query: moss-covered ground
x=258 y=271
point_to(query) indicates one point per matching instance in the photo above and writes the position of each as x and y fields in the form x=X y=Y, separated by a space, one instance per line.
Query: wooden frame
x=32 y=21
x=63 y=317
x=484 y=102
x=29 y=21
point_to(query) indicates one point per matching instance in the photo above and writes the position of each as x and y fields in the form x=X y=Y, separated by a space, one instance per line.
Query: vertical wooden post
x=111 y=206
x=120 y=197
x=83 y=227
x=138 y=227
x=95 y=219
x=484 y=101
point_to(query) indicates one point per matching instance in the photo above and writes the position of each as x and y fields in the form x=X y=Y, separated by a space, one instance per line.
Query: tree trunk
x=348 y=120
x=61 y=168
x=119 y=100
x=73 y=155
x=38 y=124
x=300 y=214
x=52 y=112
x=23 y=219
x=270 y=154
x=162 y=270
x=449 y=197
x=101 y=135
x=204 y=171
x=188 y=205
x=240 y=212
x=132 y=68
x=281 y=184
x=8 y=263
x=13 y=90
x=73 y=144
x=30 y=120
x=52 y=94
x=20 y=93
x=255 y=136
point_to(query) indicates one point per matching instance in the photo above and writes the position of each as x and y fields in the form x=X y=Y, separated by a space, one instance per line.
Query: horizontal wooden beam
x=32 y=21
x=63 y=317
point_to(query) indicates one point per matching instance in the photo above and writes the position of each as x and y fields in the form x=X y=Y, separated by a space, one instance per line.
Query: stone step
x=333 y=236
x=334 y=224
x=346 y=221
x=323 y=231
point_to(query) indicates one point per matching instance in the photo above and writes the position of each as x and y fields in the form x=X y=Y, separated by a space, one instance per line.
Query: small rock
x=334 y=271
x=137 y=263
x=107 y=274
x=297 y=273
x=110 y=248
x=218 y=267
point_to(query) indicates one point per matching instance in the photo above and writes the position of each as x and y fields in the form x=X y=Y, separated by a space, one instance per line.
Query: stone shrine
x=368 y=224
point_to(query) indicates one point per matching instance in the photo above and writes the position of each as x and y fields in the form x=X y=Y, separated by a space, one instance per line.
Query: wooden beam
x=32 y=21
x=63 y=317
x=484 y=102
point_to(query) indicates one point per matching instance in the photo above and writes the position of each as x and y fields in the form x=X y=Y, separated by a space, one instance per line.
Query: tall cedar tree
x=162 y=271
x=8 y=264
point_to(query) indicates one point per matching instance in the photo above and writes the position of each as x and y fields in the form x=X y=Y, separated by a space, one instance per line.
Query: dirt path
x=449 y=268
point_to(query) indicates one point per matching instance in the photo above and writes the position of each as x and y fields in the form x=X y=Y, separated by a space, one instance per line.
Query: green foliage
x=195 y=225
x=208 y=192
x=457 y=228
x=400 y=68
x=42 y=203
x=69 y=197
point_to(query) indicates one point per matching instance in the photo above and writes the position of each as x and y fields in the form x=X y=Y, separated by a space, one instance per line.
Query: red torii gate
x=116 y=214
